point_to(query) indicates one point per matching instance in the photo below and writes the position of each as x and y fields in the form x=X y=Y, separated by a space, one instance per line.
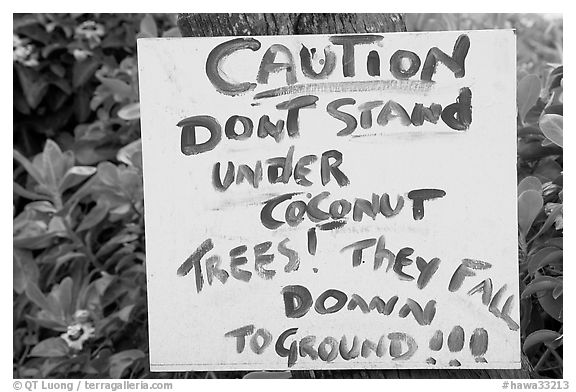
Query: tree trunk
x=214 y=25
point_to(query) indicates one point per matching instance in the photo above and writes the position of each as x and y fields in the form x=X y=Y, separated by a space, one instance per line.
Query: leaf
x=121 y=361
x=83 y=71
x=115 y=242
x=110 y=323
x=35 y=242
x=42 y=206
x=47 y=321
x=173 y=32
x=555 y=109
x=526 y=310
x=75 y=176
x=25 y=270
x=20 y=191
x=534 y=150
x=90 y=296
x=528 y=183
x=549 y=338
x=547 y=169
x=530 y=204
x=95 y=216
x=100 y=360
x=130 y=111
x=57 y=225
x=124 y=313
x=19 y=102
x=552 y=306
x=90 y=152
x=557 y=242
x=533 y=115
x=37 y=297
x=34 y=85
x=81 y=104
x=148 y=27
x=559 y=70
x=30 y=168
x=68 y=256
x=549 y=221
x=116 y=86
x=543 y=257
x=63 y=367
x=58 y=69
x=558 y=291
x=541 y=285
x=527 y=94
x=51 y=347
x=126 y=153
x=552 y=125
x=51 y=310
x=55 y=164
x=108 y=174
x=63 y=296
x=84 y=190
x=530 y=130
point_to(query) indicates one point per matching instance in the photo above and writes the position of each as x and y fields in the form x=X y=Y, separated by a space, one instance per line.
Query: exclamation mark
x=312 y=241
x=456 y=343
x=435 y=344
x=373 y=63
x=479 y=344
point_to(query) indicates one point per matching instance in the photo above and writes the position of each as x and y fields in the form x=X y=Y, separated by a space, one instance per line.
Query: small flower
x=549 y=188
x=91 y=32
x=50 y=27
x=82 y=316
x=104 y=71
x=129 y=67
x=77 y=334
x=23 y=52
x=559 y=221
x=16 y=40
x=81 y=54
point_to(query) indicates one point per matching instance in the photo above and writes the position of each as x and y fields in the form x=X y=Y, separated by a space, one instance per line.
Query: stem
x=541 y=360
x=551 y=368
x=549 y=351
x=57 y=198
x=22 y=359
x=523 y=248
x=78 y=241
x=25 y=193
x=558 y=357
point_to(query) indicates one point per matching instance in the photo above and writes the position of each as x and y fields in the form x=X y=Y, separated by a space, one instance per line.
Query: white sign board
x=331 y=202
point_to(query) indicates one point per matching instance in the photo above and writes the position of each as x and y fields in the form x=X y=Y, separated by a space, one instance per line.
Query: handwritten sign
x=331 y=201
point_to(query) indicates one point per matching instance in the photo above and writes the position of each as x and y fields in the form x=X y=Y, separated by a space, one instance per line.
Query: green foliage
x=79 y=278
x=540 y=204
x=79 y=305
x=75 y=80
x=78 y=266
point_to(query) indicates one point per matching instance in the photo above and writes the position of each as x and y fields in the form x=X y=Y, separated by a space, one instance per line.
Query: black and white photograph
x=286 y=195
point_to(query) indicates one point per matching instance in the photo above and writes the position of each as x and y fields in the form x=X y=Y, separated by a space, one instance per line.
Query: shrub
x=540 y=205
x=79 y=278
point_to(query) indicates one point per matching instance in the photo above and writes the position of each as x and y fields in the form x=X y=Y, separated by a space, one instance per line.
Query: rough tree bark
x=214 y=25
